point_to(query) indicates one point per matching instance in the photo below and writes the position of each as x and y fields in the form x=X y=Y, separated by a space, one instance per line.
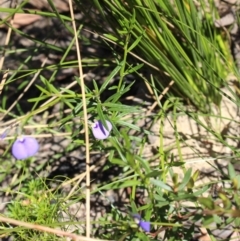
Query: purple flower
x=99 y=131
x=24 y=147
x=146 y=226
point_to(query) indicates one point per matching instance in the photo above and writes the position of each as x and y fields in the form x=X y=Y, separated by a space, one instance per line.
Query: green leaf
x=144 y=164
x=117 y=161
x=207 y=202
x=185 y=180
x=135 y=43
x=43 y=90
x=120 y=184
x=161 y=184
x=134 y=207
x=121 y=107
x=110 y=77
x=226 y=202
x=115 y=97
x=134 y=69
x=208 y=220
x=159 y=198
x=201 y=191
x=231 y=171
x=95 y=86
x=154 y=173
x=111 y=37
x=49 y=86
x=195 y=175
x=190 y=184
x=184 y=196
x=235 y=220
x=101 y=115
x=132 y=126
x=40 y=98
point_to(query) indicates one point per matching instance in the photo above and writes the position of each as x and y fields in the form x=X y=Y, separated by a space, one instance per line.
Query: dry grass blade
x=3 y=81
x=88 y=223
x=160 y=97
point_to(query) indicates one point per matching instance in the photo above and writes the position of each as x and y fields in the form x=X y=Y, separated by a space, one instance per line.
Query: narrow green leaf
x=95 y=86
x=118 y=185
x=154 y=173
x=184 y=196
x=49 y=86
x=110 y=77
x=231 y=171
x=207 y=202
x=111 y=37
x=101 y=115
x=40 y=98
x=175 y=179
x=55 y=10
x=134 y=69
x=134 y=44
x=144 y=163
x=43 y=90
x=195 y=175
x=226 y=202
x=208 y=220
x=117 y=161
x=161 y=184
x=185 y=180
x=201 y=191
x=121 y=107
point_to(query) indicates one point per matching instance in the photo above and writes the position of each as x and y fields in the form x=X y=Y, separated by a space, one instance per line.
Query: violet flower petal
x=24 y=147
x=137 y=218
x=145 y=225
x=99 y=131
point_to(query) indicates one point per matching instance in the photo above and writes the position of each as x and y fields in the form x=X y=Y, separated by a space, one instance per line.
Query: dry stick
x=88 y=223
x=68 y=182
x=3 y=57
x=160 y=97
x=3 y=81
x=46 y=229
x=81 y=176
x=65 y=134
x=6 y=43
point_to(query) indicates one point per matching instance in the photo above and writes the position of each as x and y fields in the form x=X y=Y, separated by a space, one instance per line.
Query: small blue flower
x=99 y=131
x=25 y=147
x=146 y=226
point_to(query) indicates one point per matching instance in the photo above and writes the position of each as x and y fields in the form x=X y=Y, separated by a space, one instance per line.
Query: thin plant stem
x=88 y=224
x=46 y=229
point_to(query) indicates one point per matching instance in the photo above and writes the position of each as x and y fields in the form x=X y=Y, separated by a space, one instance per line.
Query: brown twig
x=46 y=229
